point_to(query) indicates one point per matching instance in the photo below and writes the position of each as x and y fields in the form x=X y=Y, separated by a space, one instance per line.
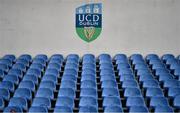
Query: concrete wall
x=129 y=26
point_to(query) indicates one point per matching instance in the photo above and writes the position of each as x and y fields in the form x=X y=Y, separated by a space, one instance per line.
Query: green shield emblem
x=89 y=21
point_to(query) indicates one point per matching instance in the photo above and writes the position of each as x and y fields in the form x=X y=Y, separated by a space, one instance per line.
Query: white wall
x=129 y=26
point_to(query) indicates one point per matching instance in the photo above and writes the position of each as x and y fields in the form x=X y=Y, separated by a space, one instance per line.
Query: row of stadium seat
x=90 y=84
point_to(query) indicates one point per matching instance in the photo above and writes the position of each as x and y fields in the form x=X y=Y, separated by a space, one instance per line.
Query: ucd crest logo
x=89 y=21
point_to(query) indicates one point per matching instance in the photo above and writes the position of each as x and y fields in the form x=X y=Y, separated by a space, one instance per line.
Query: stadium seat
x=39 y=109
x=5 y=94
x=88 y=92
x=45 y=92
x=24 y=93
x=129 y=84
x=31 y=77
x=69 y=92
x=176 y=102
x=162 y=109
x=65 y=101
x=11 y=78
x=132 y=92
x=27 y=84
x=138 y=109
x=88 y=101
x=48 y=84
x=88 y=77
x=7 y=85
x=154 y=92
x=110 y=92
x=13 y=109
x=63 y=109
x=158 y=101
x=113 y=109
x=109 y=84
x=10 y=57
x=135 y=101
x=172 y=92
x=26 y=57
x=18 y=101
x=111 y=101
x=68 y=84
x=41 y=101
x=88 y=109
x=88 y=84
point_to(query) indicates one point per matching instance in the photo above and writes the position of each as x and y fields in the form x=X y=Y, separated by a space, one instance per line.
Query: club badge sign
x=89 y=21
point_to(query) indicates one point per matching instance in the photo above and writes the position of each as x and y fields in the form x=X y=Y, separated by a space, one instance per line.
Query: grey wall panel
x=129 y=26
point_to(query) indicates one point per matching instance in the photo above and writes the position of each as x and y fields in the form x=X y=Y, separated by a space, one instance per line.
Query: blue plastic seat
x=174 y=66
x=88 y=109
x=142 y=71
x=154 y=61
x=88 y=84
x=107 y=77
x=125 y=71
x=37 y=66
x=163 y=109
x=177 y=72
x=7 y=85
x=88 y=71
x=127 y=77
x=74 y=56
x=27 y=84
x=132 y=92
x=17 y=72
x=55 y=72
x=24 y=93
x=50 y=77
x=165 y=77
x=152 y=56
x=136 y=56
x=109 y=84
x=15 y=109
x=65 y=101
x=110 y=92
x=158 y=101
x=69 y=77
x=72 y=60
x=129 y=84
x=106 y=66
x=39 y=61
x=111 y=101
x=63 y=109
x=140 y=66
x=88 y=56
x=171 y=83
x=26 y=57
x=106 y=71
x=19 y=66
x=31 y=77
x=4 y=67
x=176 y=102
x=138 y=109
x=172 y=92
x=23 y=61
x=2 y=104
x=113 y=109
x=41 y=56
x=56 y=60
x=11 y=78
x=167 y=56
x=10 y=57
x=88 y=101
x=154 y=92
x=88 y=77
x=69 y=92
x=57 y=56
x=89 y=65
x=39 y=109
x=71 y=66
x=135 y=101
x=6 y=62
x=145 y=77
x=150 y=84
x=48 y=84
x=42 y=101
x=160 y=71
x=68 y=84
x=88 y=92
x=18 y=101
x=36 y=72
x=104 y=56
x=70 y=71
x=122 y=65
x=5 y=94
x=54 y=66
x=45 y=92
x=120 y=56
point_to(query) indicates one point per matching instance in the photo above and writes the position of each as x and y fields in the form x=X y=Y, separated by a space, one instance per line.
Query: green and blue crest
x=89 y=21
